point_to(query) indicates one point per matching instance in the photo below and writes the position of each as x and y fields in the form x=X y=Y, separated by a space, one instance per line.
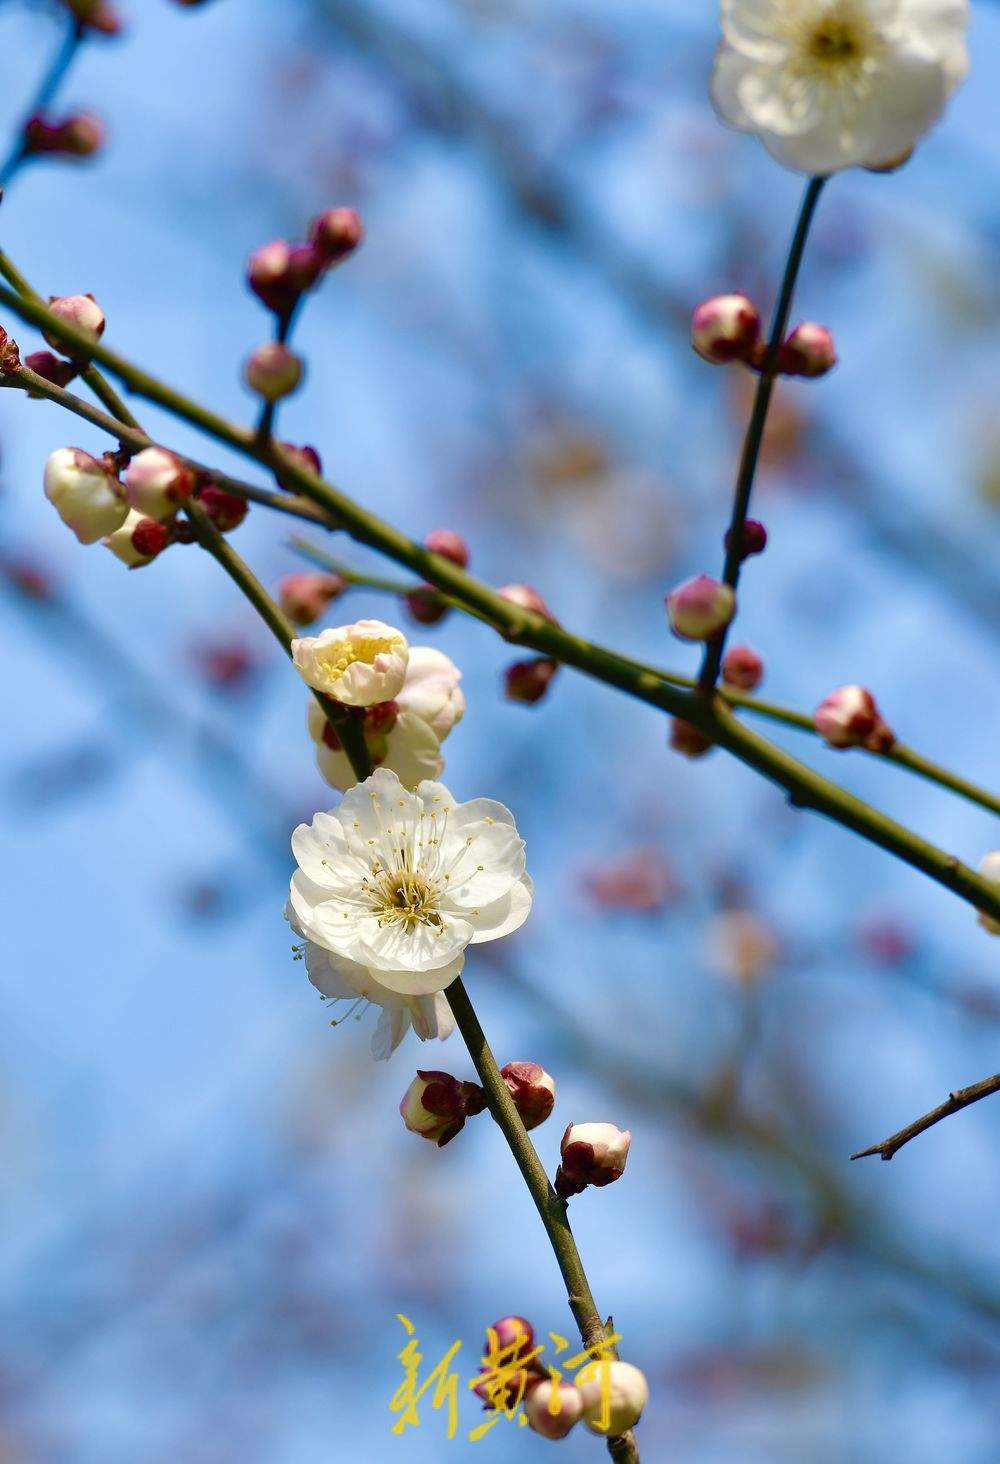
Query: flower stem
x=805 y=787
x=758 y=421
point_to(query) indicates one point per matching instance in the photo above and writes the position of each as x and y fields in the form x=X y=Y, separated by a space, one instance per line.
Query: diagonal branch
x=955 y=1102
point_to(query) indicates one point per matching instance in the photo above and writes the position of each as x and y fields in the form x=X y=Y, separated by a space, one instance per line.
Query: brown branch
x=961 y=1098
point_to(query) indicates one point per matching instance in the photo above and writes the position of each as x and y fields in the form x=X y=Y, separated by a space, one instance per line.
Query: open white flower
x=830 y=84
x=404 y=735
x=400 y=883
x=340 y=980
x=359 y=665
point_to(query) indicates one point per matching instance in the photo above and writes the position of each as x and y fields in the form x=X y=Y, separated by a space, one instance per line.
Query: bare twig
x=961 y=1098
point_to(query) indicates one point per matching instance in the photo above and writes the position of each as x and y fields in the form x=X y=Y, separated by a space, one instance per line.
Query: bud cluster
x=280 y=273
x=80 y=135
x=426 y=604
x=727 y=328
x=436 y=1105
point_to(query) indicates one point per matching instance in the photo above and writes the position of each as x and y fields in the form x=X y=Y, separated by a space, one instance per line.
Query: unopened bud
x=87 y=497
x=226 y=510
x=989 y=868
x=512 y=1335
x=725 y=328
x=78 y=136
x=80 y=311
x=426 y=605
x=686 y=738
x=138 y=541
x=553 y=1408
x=273 y=371
x=532 y=1089
x=527 y=598
x=278 y=273
x=505 y=1388
x=10 y=356
x=436 y=1105
x=742 y=667
x=592 y=1153
x=753 y=538
x=51 y=368
x=700 y=608
x=849 y=717
x=528 y=681
x=97 y=14
x=306 y=456
x=158 y=483
x=614 y=1395
x=336 y=234
x=449 y=545
x=808 y=351
x=304 y=597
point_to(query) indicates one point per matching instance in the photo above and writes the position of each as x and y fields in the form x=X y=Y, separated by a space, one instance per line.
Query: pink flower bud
x=425 y=605
x=157 y=482
x=436 y=1105
x=81 y=311
x=307 y=457
x=336 y=234
x=78 y=136
x=226 y=510
x=808 y=351
x=304 y=597
x=273 y=371
x=505 y=1388
x=614 y=1394
x=85 y=494
x=528 y=681
x=138 y=541
x=512 y=1335
x=754 y=538
x=849 y=717
x=700 y=608
x=685 y=738
x=725 y=328
x=269 y=276
x=51 y=368
x=989 y=868
x=592 y=1153
x=527 y=598
x=449 y=545
x=553 y=1408
x=532 y=1089
x=742 y=667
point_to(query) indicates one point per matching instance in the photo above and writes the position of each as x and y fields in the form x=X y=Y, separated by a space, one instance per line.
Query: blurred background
x=211 y=1213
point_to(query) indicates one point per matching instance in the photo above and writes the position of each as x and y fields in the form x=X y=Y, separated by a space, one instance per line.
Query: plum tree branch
x=955 y=1102
x=805 y=787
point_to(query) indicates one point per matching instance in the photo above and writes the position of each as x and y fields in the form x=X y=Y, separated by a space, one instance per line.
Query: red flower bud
x=512 y=1335
x=686 y=738
x=78 y=136
x=527 y=598
x=436 y=1105
x=592 y=1153
x=742 y=667
x=725 y=328
x=51 y=368
x=754 y=538
x=273 y=371
x=426 y=605
x=150 y=537
x=226 y=510
x=532 y=1089
x=808 y=351
x=700 y=608
x=849 y=717
x=305 y=597
x=528 y=681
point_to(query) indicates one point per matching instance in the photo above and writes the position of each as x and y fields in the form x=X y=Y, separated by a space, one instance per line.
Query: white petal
x=391 y=1028
x=432 y=1017
x=483 y=861
x=757 y=28
x=727 y=77
x=506 y=914
x=420 y=983
x=325 y=853
x=413 y=751
x=389 y=950
x=330 y=974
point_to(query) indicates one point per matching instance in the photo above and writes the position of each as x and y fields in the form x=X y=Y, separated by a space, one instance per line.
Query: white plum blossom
x=431 y=690
x=359 y=665
x=400 y=883
x=830 y=84
x=404 y=735
x=87 y=497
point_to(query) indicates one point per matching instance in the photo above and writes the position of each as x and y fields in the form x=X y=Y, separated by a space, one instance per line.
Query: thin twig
x=961 y=1098
x=758 y=421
